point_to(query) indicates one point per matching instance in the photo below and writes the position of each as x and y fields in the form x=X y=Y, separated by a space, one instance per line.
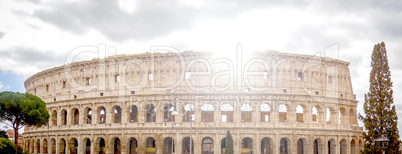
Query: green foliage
x=21 y=109
x=229 y=143
x=20 y=150
x=378 y=106
x=6 y=146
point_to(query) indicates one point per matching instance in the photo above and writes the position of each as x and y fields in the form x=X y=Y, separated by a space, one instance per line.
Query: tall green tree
x=229 y=143
x=6 y=146
x=21 y=109
x=378 y=106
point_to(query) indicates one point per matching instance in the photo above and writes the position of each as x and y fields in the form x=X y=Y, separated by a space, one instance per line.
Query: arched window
x=283 y=113
x=299 y=113
x=117 y=114
x=75 y=116
x=343 y=146
x=45 y=145
x=186 y=145
x=188 y=113
x=330 y=115
x=284 y=147
x=64 y=117
x=89 y=116
x=342 y=116
x=267 y=146
x=52 y=145
x=353 y=147
x=207 y=113
x=168 y=146
x=246 y=113
x=207 y=145
x=150 y=145
x=246 y=145
x=73 y=145
x=352 y=117
x=38 y=146
x=331 y=146
x=265 y=113
x=302 y=146
x=133 y=146
x=167 y=113
x=102 y=115
x=87 y=142
x=314 y=113
x=54 y=118
x=227 y=112
x=116 y=147
x=133 y=113
x=318 y=146
x=62 y=146
x=151 y=113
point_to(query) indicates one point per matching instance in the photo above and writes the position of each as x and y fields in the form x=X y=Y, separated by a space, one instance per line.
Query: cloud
x=3 y=87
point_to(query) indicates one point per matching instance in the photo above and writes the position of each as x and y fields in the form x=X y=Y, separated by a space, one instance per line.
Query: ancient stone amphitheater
x=271 y=102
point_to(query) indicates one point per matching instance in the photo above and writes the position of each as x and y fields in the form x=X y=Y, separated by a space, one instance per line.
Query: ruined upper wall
x=194 y=72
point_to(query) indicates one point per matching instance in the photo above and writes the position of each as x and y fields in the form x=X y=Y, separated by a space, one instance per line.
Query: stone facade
x=271 y=102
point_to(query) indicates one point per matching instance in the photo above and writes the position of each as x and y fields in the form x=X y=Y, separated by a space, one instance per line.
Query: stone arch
x=285 y=146
x=38 y=146
x=314 y=113
x=223 y=145
x=246 y=145
x=168 y=146
x=352 y=117
x=150 y=145
x=353 y=147
x=151 y=113
x=186 y=145
x=360 y=146
x=265 y=113
x=343 y=146
x=300 y=113
x=331 y=146
x=207 y=145
x=32 y=146
x=167 y=113
x=100 y=146
x=87 y=147
x=54 y=118
x=188 y=114
x=207 y=113
x=73 y=146
x=45 y=146
x=63 y=117
x=116 y=114
x=75 y=116
x=246 y=113
x=133 y=114
x=330 y=115
x=116 y=145
x=342 y=116
x=227 y=112
x=102 y=114
x=302 y=146
x=318 y=146
x=267 y=146
x=133 y=145
x=88 y=115
x=53 y=145
x=283 y=113
x=62 y=145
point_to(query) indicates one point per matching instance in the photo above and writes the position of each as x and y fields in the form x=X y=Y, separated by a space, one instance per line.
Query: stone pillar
x=93 y=146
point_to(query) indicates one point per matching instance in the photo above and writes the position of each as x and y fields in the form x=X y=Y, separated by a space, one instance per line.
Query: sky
x=39 y=34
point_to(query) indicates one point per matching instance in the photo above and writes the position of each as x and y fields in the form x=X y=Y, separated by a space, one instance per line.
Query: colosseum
x=161 y=103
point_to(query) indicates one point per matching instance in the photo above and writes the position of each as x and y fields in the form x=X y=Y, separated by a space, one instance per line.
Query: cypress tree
x=229 y=143
x=378 y=106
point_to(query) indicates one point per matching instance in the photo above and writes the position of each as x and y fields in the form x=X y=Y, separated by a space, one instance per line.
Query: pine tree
x=378 y=106
x=229 y=144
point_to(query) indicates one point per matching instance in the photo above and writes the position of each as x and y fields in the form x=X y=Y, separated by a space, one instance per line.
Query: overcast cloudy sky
x=38 y=34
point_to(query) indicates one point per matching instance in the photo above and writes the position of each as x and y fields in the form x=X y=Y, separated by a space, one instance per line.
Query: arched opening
x=133 y=113
x=167 y=113
x=302 y=146
x=45 y=146
x=38 y=146
x=73 y=146
x=223 y=145
x=133 y=146
x=64 y=117
x=330 y=116
x=207 y=113
x=33 y=146
x=102 y=115
x=116 y=146
x=186 y=145
x=318 y=146
x=116 y=114
x=168 y=145
x=54 y=118
x=207 y=145
x=353 y=147
x=342 y=116
x=343 y=146
x=102 y=146
x=227 y=112
x=267 y=146
x=331 y=146
x=299 y=114
x=75 y=116
x=314 y=113
x=87 y=142
x=283 y=113
x=53 y=146
x=88 y=118
x=265 y=113
x=352 y=119
x=150 y=146
x=188 y=113
x=151 y=113
x=62 y=146
x=284 y=147
x=246 y=146
x=360 y=146
x=246 y=113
